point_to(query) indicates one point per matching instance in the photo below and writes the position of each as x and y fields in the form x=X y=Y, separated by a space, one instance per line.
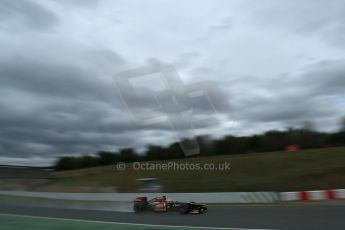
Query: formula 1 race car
x=162 y=204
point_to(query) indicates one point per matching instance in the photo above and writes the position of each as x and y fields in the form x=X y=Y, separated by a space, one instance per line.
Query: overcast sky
x=278 y=63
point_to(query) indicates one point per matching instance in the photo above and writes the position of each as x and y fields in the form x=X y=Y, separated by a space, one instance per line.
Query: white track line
x=121 y=223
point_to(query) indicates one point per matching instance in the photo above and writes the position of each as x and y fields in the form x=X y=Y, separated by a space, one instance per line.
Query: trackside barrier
x=329 y=194
x=222 y=197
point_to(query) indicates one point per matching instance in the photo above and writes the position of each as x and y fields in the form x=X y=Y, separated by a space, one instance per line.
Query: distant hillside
x=275 y=171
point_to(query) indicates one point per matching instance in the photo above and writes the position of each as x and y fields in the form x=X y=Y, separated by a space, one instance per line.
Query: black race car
x=162 y=204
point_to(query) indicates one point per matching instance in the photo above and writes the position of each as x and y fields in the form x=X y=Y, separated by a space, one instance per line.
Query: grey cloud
x=294 y=98
x=59 y=80
x=80 y=3
x=55 y=109
x=56 y=91
x=284 y=100
x=225 y=24
x=321 y=19
x=185 y=59
x=25 y=14
x=326 y=77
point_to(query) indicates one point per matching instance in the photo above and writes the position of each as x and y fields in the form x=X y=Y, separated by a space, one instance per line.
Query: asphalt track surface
x=304 y=217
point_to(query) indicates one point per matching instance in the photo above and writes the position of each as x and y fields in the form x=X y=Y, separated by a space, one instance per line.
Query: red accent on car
x=292 y=148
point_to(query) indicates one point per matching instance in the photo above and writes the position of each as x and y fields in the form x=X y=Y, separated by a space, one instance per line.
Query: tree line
x=274 y=140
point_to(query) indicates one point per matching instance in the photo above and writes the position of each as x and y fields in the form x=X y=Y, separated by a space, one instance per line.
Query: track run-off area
x=310 y=216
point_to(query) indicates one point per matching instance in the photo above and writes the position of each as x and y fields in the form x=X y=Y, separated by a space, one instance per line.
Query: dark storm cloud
x=62 y=107
x=51 y=107
x=326 y=77
x=25 y=14
x=55 y=109
x=57 y=60
x=44 y=78
x=290 y=99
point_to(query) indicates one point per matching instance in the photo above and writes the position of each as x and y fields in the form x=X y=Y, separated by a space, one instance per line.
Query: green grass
x=275 y=171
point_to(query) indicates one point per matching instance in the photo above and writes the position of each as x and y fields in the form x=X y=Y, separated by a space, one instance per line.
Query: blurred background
x=278 y=67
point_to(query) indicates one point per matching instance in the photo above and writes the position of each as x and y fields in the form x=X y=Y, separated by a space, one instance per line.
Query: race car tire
x=184 y=208
x=138 y=207
x=202 y=210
